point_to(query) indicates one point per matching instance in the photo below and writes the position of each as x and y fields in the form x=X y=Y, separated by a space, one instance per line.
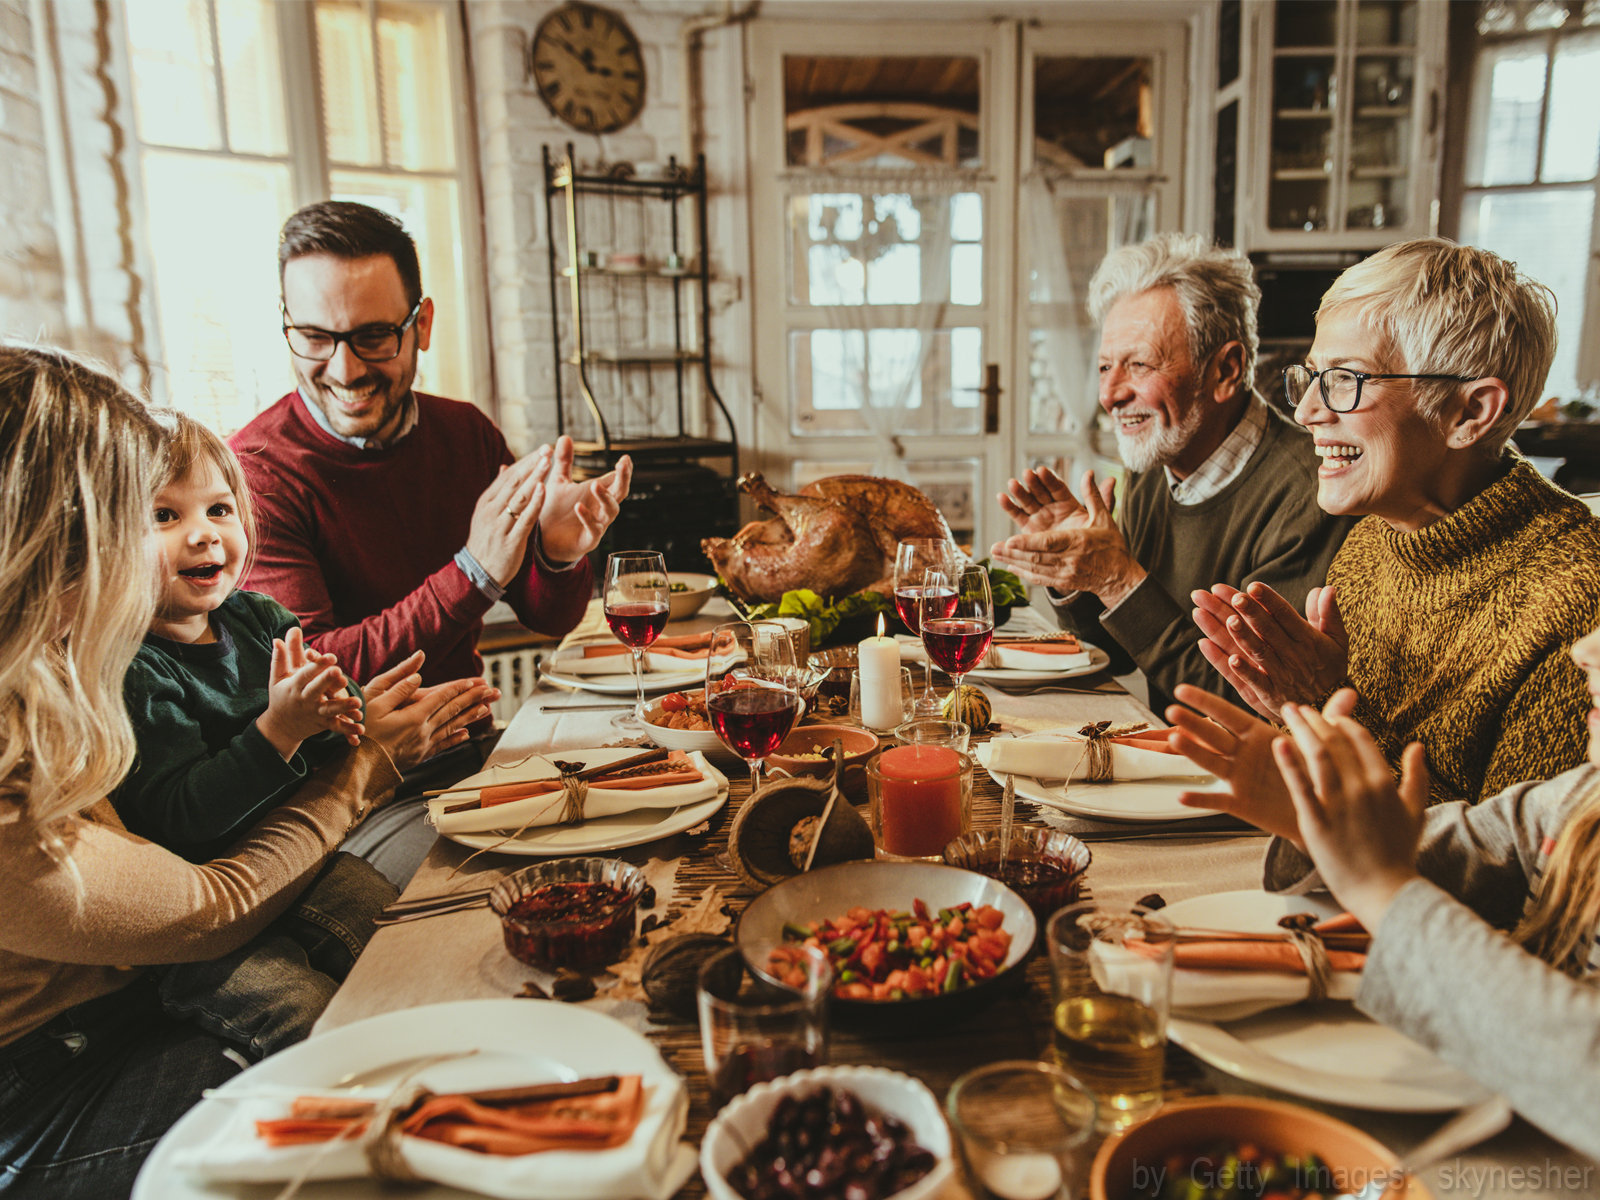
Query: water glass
x=907 y=696
x=752 y=1029
x=935 y=731
x=1022 y=1129
x=1111 y=988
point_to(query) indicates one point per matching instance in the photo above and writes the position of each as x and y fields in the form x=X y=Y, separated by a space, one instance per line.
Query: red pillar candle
x=919 y=800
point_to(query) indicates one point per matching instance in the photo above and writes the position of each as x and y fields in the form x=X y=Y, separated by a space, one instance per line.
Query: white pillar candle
x=878 y=661
x=1022 y=1176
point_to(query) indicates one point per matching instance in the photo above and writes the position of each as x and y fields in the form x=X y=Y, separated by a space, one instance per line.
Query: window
x=235 y=132
x=1533 y=152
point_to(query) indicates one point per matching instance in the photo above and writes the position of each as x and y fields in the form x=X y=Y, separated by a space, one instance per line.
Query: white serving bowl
x=743 y=1123
x=703 y=740
x=686 y=604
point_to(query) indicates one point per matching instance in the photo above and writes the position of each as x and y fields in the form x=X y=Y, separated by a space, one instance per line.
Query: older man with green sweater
x=1222 y=488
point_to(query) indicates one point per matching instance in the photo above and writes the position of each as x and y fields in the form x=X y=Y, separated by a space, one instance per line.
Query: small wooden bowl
x=859 y=745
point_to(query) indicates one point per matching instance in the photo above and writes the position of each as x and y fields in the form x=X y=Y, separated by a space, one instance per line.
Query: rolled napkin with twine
x=1097 y=753
x=621 y=1146
x=535 y=793
x=1046 y=654
x=678 y=654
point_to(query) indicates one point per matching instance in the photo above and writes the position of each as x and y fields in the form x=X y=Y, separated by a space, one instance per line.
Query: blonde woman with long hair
x=1485 y=920
x=91 y=1072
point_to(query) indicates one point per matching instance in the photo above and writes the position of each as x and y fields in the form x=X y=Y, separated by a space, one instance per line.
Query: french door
x=928 y=203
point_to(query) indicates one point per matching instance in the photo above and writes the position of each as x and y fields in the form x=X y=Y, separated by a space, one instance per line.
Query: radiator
x=515 y=673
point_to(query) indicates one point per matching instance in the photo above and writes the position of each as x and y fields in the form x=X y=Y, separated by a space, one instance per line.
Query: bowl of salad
x=1240 y=1148
x=689 y=593
x=914 y=945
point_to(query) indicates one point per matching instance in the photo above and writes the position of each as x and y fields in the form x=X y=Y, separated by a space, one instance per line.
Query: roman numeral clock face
x=587 y=66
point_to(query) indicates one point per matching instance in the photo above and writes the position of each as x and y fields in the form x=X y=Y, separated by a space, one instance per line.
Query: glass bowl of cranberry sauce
x=569 y=912
x=1044 y=866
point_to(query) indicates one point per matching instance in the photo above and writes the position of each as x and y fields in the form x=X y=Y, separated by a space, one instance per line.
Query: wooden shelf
x=1300 y=173
x=1304 y=114
x=1371 y=111
x=1377 y=172
x=1305 y=51
x=659 y=447
x=667 y=355
x=641 y=273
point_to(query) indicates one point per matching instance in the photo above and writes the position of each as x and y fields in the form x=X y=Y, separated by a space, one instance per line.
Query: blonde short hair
x=1215 y=288
x=77 y=589
x=1455 y=310
x=186 y=442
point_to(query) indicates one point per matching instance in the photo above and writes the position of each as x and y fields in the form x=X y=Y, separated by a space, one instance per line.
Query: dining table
x=461 y=955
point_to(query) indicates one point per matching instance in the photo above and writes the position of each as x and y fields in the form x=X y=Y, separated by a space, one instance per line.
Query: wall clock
x=586 y=63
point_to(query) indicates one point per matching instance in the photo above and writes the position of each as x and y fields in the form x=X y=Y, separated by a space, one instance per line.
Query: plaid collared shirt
x=1225 y=463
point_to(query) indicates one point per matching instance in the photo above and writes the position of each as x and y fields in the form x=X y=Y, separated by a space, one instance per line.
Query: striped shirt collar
x=1226 y=461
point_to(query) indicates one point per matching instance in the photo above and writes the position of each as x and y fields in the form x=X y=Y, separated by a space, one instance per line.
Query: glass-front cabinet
x=1348 y=122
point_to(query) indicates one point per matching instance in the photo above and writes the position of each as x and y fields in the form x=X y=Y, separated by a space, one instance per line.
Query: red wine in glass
x=911 y=602
x=637 y=624
x=957 y=644
x=749 y=1064
x=753 y=721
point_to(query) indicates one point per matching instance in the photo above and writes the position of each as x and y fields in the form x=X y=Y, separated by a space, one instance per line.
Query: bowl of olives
x=856 y=1133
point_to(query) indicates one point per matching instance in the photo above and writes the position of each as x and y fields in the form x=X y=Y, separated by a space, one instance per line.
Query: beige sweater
x=143 y=905
x=1460 y=634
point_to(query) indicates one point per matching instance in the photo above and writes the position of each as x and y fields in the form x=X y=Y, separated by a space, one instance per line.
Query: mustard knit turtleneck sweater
x=1460 y=634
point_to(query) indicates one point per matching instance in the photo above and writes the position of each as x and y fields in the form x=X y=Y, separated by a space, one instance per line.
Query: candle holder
x=919 y=794
x=896 y=717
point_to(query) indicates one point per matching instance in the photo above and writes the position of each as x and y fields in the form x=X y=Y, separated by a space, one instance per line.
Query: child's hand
x=303 y=696
x=1361 y=830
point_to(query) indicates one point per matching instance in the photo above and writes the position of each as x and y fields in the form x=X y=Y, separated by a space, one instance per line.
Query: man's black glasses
x=1341 y=387
x=370 y=343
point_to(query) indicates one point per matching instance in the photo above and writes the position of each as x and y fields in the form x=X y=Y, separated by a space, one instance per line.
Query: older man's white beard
x=1145 y=451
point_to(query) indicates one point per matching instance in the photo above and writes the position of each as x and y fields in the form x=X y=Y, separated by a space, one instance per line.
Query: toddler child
x=231 y=713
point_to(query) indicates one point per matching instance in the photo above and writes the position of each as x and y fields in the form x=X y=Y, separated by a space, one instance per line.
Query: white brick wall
x=31 y=280
x=513 y=124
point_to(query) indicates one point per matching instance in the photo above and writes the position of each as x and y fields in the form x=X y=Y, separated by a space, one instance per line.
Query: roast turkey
x=837 y=536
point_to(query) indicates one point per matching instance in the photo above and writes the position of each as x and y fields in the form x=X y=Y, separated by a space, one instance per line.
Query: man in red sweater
x=391 y=520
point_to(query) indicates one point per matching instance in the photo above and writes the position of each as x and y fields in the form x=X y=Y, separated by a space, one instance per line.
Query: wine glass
x=913 y=557
x=638 y=598
x=752 y=689
x=956 y=631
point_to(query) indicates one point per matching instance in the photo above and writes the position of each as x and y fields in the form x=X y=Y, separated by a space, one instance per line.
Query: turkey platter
x=836 y=536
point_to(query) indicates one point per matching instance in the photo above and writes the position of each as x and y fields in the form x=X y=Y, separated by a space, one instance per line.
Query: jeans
x=397 y=837
x=268 y=993
x=85 y=1098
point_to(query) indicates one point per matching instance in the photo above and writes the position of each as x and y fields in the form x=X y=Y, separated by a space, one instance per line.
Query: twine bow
x=574 y=795
x=1097 y=747
x=1303 y=936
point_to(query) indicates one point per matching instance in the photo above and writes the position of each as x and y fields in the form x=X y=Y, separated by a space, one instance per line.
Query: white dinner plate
x=518 y=1042
x=1099 y=660
x=599 y=833
x=622 y=685
x=1129 y=800
x=1327 y=1051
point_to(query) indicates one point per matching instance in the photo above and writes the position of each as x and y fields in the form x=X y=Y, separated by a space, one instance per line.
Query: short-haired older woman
x=1450 y=609
x=92 y=1072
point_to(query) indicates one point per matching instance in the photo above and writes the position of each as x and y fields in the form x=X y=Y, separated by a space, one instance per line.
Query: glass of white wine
x=1111 y=987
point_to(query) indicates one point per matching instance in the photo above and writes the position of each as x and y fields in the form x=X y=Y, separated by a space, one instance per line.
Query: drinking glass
x=957 y=619
x=913 y=558
x=753 y=684
x=1111 y=984
x=752 y=1029
x=1022 y=1128
x=638 y=598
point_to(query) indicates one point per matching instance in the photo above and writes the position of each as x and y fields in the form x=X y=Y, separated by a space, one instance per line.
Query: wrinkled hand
x=1069 y=546
x=505 y=516
x=576 y=515
x=414 y=723
x=1359 y=828
x=305 y=695
x=1269 y=653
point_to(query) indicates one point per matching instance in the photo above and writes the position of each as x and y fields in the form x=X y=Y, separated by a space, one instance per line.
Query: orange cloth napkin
x=1256 y=956
x=507 y=793
x=1147 y=739
x=1054 y=646
x=688 y=645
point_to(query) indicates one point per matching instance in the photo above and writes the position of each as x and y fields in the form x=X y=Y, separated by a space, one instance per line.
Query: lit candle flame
x=880 y=624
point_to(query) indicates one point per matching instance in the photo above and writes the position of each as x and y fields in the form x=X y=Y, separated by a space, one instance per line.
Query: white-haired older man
x=1222 y=488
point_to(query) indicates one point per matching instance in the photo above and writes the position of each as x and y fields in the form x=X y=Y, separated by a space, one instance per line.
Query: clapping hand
x=1063 y=544
x=414 y=723
x=1269 y=653
x=1359 y=828
x=506 y=514
x=305 y=695
x=576 y=515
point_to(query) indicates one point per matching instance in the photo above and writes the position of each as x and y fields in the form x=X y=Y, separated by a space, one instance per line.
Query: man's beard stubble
x=1161 y=447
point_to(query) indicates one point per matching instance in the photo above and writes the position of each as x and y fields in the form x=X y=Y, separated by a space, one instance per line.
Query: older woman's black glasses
x=370 y=343
x=1341 y=387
